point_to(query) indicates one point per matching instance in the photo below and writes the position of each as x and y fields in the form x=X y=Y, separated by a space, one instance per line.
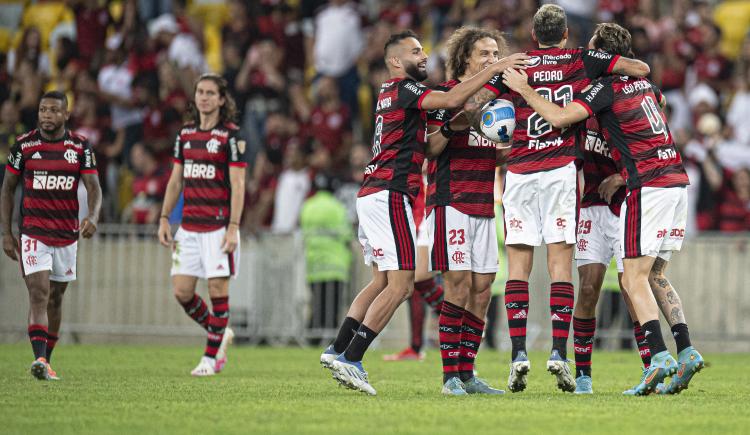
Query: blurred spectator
x=327 y=232
x=291 y=190
x=148 y=187
x=330 y=123
x=46 y=16
x=352 y=181
x=710 y=65
x=181 y=48
x=92 y=20
x=29 y=68
x=10 y=128
x=732 y=190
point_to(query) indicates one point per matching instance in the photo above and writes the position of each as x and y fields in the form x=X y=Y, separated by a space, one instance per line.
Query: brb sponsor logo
x=53 y=182
x=199 y=170
x=458 y=257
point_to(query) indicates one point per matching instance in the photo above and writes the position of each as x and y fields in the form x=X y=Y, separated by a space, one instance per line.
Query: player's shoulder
x=28 y=136
x=231 y=126
x=77 y=138
x=188 y=128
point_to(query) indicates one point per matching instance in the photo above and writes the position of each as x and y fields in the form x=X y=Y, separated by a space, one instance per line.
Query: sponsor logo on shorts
x=69 y=272
x=378 y=252
x=458 y=257
x=678 y=233
x=661 y=233
x=561 y=223
x=31 y=260
x=516 y=224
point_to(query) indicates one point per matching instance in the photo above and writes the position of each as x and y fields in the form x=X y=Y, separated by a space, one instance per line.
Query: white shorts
x=459 y=241
x=652 y=221
x=541 y=207
x=423 y=233
x=386 y=230
x=200 y=255
x=59 y=260
x=598 y=237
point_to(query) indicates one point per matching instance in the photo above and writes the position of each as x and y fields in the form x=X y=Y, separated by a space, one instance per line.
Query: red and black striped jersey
x=463 y=175
x=598 y=164
x=557 y=74
x=51 y=171
x=399 y=139
x=205 y=156
x=632 y=121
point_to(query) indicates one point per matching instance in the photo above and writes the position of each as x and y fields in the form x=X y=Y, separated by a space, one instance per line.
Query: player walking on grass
x=541 y=193
x=209 y=169
x=49 y=161
x=386 y=227
x=461 y=216
x=652 y=221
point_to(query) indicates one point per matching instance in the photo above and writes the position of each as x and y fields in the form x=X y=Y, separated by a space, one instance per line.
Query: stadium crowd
x=305 y=74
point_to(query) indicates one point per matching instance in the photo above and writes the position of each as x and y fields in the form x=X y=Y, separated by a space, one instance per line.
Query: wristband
x=446 y=131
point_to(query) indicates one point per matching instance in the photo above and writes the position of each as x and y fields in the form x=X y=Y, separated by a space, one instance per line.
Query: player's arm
x=237 y=183
x=172 y=194
x=458 y=95
x=626 y=66
x=474 y=105
x=557 y=116
x=440 y=130
x=609 y=186
x=94 y=193
x=10 y=244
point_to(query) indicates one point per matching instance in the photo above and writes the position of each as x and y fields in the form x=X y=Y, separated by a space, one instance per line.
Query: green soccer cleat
x=689 y=362
x=454 y=387
x=662 y=366
x=476 y=385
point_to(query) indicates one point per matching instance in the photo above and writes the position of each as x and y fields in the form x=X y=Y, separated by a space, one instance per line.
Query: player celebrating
x=50 y=161
x=392 y=179
x=540 y=198
x=462 y=218
x=208 y=162
x=632 y=121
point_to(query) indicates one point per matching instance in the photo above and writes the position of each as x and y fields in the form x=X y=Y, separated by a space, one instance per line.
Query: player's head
x=404 y=55
x=550 y=26
x=53 y=112
x=211 y=95
x=470 y=50
x=612 y=38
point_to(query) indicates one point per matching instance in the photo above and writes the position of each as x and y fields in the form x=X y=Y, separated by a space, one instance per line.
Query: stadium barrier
x=123 y=293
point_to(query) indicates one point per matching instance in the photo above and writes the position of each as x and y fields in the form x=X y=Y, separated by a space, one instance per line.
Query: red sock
x=197 y=310
x=38 y=338
x=583 y=344
x=561 y=313
x=217 y=324
x=517 y=310
x=416 y=318
x=431 y=293
x=450 y=337
x=640 y=340
x=51 y=342
x=472 y=328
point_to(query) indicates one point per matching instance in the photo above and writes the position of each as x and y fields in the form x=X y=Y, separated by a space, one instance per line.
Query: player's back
x=557 y=74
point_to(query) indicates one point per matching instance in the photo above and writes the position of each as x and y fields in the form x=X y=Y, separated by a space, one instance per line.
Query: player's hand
x=10 y=246
x=515 y=60
x=229 y=244
x=165 y=233
x=88 y=227
x=609 y=186
x=515 y=79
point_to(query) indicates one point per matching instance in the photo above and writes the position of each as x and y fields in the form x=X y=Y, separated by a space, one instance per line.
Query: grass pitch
x=148 y=389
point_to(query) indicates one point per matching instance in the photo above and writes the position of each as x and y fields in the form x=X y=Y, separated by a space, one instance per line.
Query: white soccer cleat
x=559 y=367
x=207 y=367
x=221 y=354
x=327 y=357
x=352 y=375
x=519 y=368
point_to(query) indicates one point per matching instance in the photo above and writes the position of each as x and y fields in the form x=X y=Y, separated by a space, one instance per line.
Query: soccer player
x=392 y=179
x=540 y=198
x=461 y=216
x=50 y=161
x=209 y=164
x=632 y=121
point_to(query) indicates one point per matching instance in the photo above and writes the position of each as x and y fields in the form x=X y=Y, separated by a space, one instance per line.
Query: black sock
x=361 y=341
x=652 y=331
x=681 y=336
x=347 y=331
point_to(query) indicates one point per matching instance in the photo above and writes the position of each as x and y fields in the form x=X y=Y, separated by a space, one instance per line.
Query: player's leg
x=36 y=267
x=54 y=318
x=590 y=278
x=457 y=285
x=520 y=260
x=688 y=359
x=559 y=264
x=186 y=269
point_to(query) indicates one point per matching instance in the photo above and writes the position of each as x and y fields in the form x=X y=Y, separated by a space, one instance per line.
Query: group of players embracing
x=588 y=111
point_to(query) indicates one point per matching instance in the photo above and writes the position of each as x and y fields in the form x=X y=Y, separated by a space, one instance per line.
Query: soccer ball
x=498 y=120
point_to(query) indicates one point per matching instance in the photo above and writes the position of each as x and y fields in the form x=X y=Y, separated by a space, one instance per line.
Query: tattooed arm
x=474 y=105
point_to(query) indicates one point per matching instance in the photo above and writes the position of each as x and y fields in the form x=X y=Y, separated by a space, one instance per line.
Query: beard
x=415 y=73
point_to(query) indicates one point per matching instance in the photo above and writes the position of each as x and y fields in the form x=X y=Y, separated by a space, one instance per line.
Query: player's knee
x=182 y=295
x=55 y=300
x=587 y=297
x=38 y=296
x=482 y=297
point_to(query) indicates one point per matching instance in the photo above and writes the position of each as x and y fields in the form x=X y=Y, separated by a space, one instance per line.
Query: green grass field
x=148 y=389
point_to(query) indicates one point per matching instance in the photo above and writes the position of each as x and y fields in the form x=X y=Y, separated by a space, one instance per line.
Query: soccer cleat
x=662 y=366
x=352 y=375
x=52 y=374
x=689 y=362
x=476 y=385
x=559 y=367
x=631 y=391
x=221 y=354
x=407 y=354
x=454 y=387
x=207 y=367
x=328 y=356
x=583 y=385
x=518 y=370
x=39 y=369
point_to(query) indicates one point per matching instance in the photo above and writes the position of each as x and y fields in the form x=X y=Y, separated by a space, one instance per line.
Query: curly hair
x=461 y=44
x=227 y=112
x=613 y=39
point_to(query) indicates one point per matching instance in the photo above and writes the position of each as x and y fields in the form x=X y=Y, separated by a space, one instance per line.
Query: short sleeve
x=236 y=149
x=598 y=63
x=88 y=166
x=496 y=85
x=411 y=94
x=177 y=156
x=597 y=98
x=15 y=159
